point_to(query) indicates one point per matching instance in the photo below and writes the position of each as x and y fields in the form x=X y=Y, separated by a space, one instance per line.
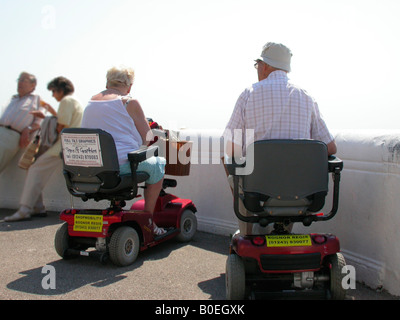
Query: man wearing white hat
x=274 y=108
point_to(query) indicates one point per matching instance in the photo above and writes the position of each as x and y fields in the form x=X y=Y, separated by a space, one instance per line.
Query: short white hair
x=30 y=76
x=120 y=76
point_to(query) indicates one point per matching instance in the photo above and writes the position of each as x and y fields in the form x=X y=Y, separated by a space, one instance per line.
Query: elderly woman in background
x=114 y=111
x=69 y=114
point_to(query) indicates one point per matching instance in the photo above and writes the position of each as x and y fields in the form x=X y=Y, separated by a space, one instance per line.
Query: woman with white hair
x=114 y=111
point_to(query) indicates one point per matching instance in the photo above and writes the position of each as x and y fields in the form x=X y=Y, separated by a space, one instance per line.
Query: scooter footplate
x=169 y=232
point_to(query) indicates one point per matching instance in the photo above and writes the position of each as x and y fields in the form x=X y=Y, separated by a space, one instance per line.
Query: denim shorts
x=153 y=166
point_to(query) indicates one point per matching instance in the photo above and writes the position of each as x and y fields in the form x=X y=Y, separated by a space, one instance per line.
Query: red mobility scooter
x=289 y=184
x=91 y=171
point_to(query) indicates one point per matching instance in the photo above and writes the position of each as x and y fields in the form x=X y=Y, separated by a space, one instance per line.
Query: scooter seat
x=101 y=179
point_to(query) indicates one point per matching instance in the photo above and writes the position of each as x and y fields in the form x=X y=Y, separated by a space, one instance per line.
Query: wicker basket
x=178 y=157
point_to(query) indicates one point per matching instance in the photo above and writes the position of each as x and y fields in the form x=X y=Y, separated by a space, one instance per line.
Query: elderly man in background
x=17 y=123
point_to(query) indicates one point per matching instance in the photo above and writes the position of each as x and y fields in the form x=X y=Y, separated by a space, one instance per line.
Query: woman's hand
x=48 y=108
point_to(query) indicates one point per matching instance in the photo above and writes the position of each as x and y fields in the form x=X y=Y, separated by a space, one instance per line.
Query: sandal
x=158 y=231
x=39 y=213
x=18 y=216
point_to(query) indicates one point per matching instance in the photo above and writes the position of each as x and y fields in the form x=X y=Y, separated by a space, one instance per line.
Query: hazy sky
x=193 y=58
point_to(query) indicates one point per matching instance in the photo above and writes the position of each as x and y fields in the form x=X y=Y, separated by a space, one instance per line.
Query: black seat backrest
x=91 y=167
x=288 y=171
x=90 y=157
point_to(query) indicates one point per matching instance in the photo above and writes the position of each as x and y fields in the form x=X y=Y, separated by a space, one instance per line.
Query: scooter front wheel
x=188 y=226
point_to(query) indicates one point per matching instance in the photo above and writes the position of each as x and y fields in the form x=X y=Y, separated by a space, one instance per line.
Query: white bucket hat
x=276 y=55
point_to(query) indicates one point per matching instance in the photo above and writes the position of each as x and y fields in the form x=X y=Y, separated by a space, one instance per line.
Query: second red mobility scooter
x=91 y=171
x=288 y=184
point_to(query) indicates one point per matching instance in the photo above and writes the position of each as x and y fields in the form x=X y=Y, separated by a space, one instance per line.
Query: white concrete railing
x=367 y=222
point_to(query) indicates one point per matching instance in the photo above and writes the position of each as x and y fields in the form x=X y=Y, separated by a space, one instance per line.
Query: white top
x=276 y=109
x=111 y=116
x=17 y=114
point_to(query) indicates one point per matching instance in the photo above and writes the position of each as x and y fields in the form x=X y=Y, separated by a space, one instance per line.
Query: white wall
x=368 y=219
x=367 y=222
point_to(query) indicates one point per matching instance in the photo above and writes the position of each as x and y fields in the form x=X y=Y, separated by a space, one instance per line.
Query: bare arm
x=233 y=150
x=332 y=148
x=136 y=112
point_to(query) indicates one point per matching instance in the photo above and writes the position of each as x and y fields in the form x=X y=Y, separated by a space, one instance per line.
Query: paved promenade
x=170 y=271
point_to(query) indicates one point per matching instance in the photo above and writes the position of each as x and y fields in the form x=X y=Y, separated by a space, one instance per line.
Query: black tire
x=124 y=246
x=62 y=240
x=188 y=226
x=235 y=278
x=337 y=262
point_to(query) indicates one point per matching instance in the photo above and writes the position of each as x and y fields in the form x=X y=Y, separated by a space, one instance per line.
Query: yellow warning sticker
x=88 y=223
x=290 y=240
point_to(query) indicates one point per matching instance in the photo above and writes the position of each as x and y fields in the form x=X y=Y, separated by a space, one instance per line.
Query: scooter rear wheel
x=61 y=240
x=337 y=262
x=124 y=246
x=235 y=278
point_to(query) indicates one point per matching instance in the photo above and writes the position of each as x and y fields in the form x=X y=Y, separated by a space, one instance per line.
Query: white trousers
x=38 y=175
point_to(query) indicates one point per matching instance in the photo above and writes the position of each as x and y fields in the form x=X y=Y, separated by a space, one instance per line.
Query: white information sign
x=82 y=150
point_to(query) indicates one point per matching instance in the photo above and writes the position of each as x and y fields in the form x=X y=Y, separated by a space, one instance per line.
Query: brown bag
x=29 y=156
x=175 y=150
